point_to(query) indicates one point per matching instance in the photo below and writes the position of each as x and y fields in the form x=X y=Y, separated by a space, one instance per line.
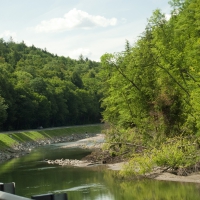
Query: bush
x=175 y=153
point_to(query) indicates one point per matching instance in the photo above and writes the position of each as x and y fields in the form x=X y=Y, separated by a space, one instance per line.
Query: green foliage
x=154 y=85
x=151 y=92
x=174 y=153
x=40 y=89
x=3 y=113
x=76 y=80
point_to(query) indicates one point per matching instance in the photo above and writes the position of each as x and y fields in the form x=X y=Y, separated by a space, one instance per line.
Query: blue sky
x=74 y=27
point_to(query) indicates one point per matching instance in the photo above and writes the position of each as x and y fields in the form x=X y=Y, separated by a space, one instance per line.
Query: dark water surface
x=32 y=176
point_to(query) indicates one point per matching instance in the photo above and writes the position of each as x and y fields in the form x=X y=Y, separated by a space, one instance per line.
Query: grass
x=8 y=140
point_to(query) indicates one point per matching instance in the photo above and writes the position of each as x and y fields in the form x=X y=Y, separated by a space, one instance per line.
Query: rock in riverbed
x=72 y=162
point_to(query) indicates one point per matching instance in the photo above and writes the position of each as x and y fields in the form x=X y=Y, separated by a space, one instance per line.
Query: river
x=32 y=176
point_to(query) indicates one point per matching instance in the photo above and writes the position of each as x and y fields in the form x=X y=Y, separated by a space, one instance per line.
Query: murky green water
x=32 y=176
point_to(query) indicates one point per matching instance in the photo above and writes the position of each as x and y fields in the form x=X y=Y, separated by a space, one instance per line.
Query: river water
x=32 y=176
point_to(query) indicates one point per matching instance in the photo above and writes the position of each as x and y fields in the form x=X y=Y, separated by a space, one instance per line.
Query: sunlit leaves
x=157 y=80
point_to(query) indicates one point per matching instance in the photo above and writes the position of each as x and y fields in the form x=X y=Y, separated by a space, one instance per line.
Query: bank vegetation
x=151 y=94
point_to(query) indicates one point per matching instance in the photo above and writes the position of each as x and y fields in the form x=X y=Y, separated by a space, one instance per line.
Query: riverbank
x=22 y=149
x=93 y=141
x=17 y=144
x=116 y=163
x=192 y=178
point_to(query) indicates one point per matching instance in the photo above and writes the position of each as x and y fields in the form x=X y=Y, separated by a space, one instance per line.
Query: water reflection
x=153 y=190
x=33 y=176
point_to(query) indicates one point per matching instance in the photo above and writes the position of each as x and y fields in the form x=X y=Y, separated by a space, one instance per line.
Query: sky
x=70 y=28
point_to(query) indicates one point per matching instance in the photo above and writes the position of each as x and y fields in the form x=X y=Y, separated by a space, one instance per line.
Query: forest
x=151 y=93
x=38 y=88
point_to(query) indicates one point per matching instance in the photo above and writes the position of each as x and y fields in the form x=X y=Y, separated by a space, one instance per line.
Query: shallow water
x=33 y=176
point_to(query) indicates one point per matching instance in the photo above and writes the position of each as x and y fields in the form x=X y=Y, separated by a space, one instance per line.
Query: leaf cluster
x=173 y=154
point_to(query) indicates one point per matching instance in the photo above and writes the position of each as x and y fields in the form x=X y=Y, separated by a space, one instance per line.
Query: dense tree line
x=152 y=88
x=38 y=88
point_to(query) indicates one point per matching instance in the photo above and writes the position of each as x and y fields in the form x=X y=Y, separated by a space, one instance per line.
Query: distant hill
x=38 y=88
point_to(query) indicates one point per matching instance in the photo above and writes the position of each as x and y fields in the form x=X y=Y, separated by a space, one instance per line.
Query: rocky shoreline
x=95 y=158
x=22 y=149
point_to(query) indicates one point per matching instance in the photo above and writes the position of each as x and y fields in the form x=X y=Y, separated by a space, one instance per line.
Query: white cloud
x=28 y=43
x=92 y=44
x=74 y=19
x=77 y=52
x=6 y=35
x=167 y=17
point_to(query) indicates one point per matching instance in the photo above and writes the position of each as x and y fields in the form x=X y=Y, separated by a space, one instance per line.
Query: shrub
x=175 y=153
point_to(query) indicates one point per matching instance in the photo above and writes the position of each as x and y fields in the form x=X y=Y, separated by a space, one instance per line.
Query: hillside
x=38 y=88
